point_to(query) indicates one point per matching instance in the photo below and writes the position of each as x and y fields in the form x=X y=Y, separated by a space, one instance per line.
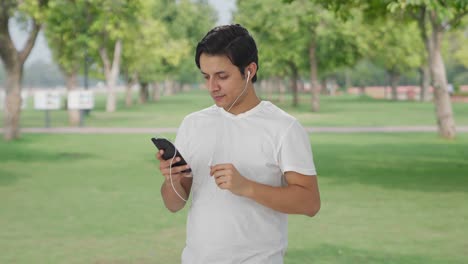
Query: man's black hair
x=234 y=41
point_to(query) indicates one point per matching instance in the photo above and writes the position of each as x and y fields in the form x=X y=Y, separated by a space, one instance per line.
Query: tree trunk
x=144 y=93
x=348 y=81
x=394 y=80
x=443 y=105
x=168 y=87
x=129 y=89
x=13 y=62
x=12 y=109
x=282 y=90
x=156 y=92
x=71 y=84
x=314 y=83
x=177 y=87
x=424 y=82
x=363 y=90
x=112 y=73
x=333 y=86
x=294 y=77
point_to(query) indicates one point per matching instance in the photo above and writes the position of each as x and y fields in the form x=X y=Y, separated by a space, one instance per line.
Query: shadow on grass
x=419 y=166
x=333 y=254
x=32 y=155
x=18 y=154
x=8 y=177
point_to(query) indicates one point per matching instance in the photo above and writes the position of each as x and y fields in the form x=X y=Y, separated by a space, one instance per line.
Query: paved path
x=147 y=130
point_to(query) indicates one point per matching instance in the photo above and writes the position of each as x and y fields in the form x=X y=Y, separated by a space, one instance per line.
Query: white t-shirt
x=262 y=143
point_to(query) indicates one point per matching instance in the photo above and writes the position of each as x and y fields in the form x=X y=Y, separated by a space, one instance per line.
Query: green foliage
x=77 y=29
x=163 y=42
x=445 y=13
x=67 y=33
x=285 y=31
x=34 y=9
x=187 y=22
x=395 y=46
x=458 y=40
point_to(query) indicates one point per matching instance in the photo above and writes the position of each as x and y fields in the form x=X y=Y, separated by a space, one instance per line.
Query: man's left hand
x=227 y=177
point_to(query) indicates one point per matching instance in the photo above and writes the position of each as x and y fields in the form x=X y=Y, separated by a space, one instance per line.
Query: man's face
x=223 y=79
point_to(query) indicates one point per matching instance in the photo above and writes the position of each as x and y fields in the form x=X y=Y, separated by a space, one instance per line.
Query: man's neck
x=247 y=103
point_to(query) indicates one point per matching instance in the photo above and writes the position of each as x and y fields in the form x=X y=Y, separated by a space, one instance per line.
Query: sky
x=41 y=50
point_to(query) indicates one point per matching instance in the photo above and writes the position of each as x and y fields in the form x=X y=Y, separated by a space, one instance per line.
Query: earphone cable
x=170 y=176
x=243 y=91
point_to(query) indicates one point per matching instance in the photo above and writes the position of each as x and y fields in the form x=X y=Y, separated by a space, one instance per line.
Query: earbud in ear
x=248 y=75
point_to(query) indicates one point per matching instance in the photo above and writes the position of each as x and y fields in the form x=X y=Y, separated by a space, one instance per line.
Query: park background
x=72 y=193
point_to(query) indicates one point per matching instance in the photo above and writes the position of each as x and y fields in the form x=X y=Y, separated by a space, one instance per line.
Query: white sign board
x=47 y=100
x=80 y=99
x=24 y=99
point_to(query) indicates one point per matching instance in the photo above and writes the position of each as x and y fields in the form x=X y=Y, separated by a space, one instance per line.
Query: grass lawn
x=335 y=111
x=386 y=198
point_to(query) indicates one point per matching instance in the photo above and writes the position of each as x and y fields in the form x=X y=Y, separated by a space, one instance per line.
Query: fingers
x=178 y=176
x=220 y=167
x=223 y=175
x=175 y=172
x=224 y=182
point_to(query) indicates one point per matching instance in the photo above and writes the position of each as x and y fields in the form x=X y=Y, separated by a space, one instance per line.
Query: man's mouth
x=217 y=98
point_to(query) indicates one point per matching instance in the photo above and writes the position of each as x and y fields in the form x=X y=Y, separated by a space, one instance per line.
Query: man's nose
x=212 y=84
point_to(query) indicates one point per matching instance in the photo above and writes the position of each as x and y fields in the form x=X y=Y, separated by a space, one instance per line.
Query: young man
x=251 y=162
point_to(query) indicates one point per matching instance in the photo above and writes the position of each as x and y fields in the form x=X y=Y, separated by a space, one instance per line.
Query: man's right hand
x=176 y=173
x=174 y=193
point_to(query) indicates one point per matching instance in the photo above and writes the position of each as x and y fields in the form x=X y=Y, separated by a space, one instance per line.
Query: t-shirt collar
x=241 y=115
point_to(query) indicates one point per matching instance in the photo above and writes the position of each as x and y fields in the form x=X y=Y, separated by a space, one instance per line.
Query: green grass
x=335 y=111
x=386 y=198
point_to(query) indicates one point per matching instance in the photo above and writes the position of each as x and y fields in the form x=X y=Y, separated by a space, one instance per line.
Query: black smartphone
x=169 y=149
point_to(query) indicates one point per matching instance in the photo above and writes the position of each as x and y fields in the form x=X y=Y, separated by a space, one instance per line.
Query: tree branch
x=458 y=17
x=8 y=51
x=116 y=59
x=24 y=53
x=442 y=3
x=105 y=61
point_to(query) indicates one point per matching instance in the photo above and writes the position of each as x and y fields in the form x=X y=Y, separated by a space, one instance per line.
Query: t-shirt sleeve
x=295 y=152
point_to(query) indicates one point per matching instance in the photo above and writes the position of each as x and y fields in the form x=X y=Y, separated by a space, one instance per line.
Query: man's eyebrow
x=218 y=72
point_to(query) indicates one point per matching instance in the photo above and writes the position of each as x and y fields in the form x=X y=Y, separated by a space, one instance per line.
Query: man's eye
x=205 y=77
x=223 y=77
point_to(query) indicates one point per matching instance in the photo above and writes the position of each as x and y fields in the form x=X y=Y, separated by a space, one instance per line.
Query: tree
x=301 y=36
x=187 y=22
x=32 y=14
x=442 y=15
x=67 y=35
x=434 y=18
x=395 y=47
x=273 y=25
x=113 y=20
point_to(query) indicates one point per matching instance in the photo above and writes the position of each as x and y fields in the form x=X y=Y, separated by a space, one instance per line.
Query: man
x=251 y=162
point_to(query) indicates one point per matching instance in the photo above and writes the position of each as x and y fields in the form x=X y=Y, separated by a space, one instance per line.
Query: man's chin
x=219 y=102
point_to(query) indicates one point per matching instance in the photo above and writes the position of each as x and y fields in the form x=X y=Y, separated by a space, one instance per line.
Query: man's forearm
x=291 y=199
x=172 y=201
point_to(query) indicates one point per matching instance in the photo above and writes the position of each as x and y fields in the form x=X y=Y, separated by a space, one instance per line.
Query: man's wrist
x=250 y=189
x=167 y=183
